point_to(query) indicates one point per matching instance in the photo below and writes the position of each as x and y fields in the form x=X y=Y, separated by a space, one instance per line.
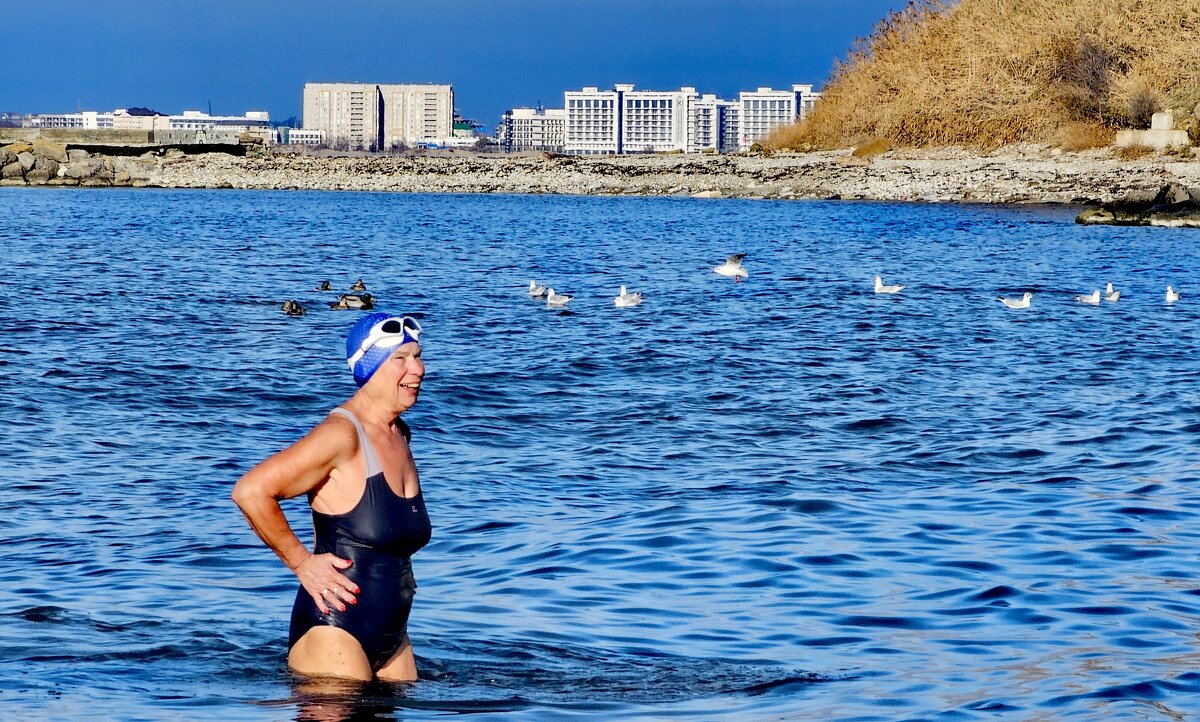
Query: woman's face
x=400 y=376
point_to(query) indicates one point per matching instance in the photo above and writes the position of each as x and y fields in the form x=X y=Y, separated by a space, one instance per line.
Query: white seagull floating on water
x=1092 y=298
x=1110 y=295
x=1172 y=295
x=1022 y=302
x=627 y=300
x=536 y=290
x=556 y=300
x=732 y=267
x=881 y=288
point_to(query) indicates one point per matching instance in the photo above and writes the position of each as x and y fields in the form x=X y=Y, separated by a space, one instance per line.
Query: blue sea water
x=789 y=498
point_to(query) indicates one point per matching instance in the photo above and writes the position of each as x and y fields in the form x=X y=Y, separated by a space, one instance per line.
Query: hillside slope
x=985 y=73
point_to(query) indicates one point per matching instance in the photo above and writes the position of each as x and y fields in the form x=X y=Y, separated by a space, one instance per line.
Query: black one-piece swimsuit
x=379 y=535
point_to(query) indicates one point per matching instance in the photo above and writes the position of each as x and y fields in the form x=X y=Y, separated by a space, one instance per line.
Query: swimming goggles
x=388 y=333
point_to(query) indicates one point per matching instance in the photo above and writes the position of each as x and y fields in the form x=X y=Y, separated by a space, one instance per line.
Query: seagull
x=1172 y=295
x=733 y=267
x=536 y=291
x=556 y=300
x=1110 y=295
x=627 y=300
x=1022 y=302
x=1092 y=298
x=880 y=288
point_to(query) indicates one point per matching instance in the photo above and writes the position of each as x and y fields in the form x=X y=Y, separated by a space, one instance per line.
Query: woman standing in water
x=350 y=618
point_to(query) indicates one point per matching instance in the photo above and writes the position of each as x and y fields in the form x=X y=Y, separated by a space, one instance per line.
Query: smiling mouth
x=414 y=387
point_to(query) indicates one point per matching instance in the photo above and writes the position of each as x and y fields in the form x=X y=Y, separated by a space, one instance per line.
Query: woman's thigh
x=402 y=667
x=329 y=652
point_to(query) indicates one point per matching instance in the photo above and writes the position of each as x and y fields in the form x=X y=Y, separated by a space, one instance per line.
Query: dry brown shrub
x=1086 y=136
x=984 y=73
x=872 y=147
x=1134 y=152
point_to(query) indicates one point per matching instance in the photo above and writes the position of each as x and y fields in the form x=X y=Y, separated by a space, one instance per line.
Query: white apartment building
x=532 y=129
x=593 y=119
x=764 y=110
x=655 y=121
x=711 y=118
x=624 y=120
x=374 y=116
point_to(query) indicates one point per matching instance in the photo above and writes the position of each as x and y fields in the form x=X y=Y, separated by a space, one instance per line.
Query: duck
x=881 y=288
x=536 y=290
x=324 y=286
x=1172 y=295
x=555 y=300
x=1022 y=302
x=1092 y=298
x=359 y=286
x=293 y=308
x=627 y=300
x=1109 y=294
x=732 y=267
x=354 y=301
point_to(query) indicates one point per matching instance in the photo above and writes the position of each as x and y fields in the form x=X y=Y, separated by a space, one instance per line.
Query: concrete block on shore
x=1162 y=121
x=12 y=170
x=12 y=182
x=1157 y=139
x=26 y=160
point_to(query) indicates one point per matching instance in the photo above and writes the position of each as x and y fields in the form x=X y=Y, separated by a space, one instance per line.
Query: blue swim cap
x=373 y=339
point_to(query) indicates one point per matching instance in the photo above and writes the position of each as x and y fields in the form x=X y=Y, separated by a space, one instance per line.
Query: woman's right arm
x=297 y=470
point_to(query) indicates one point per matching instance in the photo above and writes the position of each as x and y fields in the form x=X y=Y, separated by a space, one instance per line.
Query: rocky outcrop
x=47 y=163
x=1014 y=174
x=1172 y=206
x=1011 y=175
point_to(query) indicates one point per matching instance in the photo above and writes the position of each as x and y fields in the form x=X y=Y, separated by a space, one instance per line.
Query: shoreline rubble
x=1010 y=175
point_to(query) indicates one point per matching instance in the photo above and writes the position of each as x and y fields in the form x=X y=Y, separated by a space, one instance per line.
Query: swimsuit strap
x=373 y=466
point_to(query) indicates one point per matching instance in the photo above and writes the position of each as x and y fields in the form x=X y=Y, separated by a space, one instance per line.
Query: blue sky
x=241 y=55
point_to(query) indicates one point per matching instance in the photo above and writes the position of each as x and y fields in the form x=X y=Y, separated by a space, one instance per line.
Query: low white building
x=302 y=136
x=84 y=120
x=532 y=129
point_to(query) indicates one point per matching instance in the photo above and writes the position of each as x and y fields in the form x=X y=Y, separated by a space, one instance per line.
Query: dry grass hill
x=986 y=73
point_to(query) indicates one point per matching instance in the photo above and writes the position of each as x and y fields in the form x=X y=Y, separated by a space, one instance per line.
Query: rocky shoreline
x=1010 y=175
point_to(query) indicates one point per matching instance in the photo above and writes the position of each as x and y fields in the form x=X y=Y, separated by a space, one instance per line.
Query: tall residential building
x=374 y=116
x=764 y=110
x=624 y=120
x=415 y=114
x=655 y=121
x=351 y=114
x=593 y=121
x=532 y=129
